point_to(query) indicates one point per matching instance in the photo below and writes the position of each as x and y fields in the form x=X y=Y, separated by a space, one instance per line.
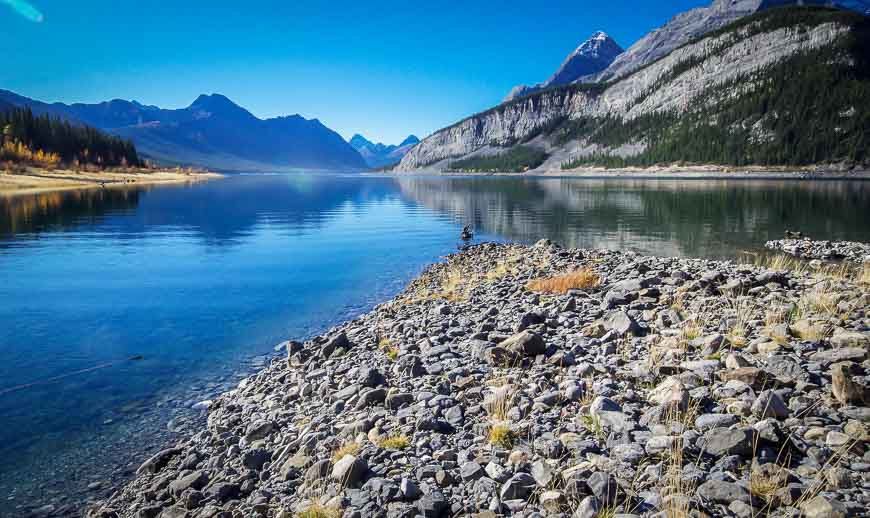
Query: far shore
x=673 y=173
x=38 y=180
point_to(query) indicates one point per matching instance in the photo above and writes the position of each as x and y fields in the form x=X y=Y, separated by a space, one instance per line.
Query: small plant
x=864 y=274
x=593 y=424
x=348 y=448
x=319 y=511
x=395 y=442
x=691 y=330
x=560 y=284
x=390 y=350
x=500 y=435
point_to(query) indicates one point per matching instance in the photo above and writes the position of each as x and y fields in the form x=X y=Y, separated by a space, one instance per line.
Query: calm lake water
x=202 y=281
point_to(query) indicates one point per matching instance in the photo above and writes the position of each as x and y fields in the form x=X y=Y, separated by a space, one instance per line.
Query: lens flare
x=25 y=9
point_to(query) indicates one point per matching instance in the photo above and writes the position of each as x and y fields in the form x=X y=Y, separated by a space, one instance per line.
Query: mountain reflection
x=705 y=218
x=219 y=212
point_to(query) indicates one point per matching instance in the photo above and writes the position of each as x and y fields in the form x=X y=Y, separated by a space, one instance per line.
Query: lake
x=121 y=309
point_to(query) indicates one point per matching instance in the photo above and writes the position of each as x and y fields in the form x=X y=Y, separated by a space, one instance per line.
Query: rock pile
x=669 y=387
x=822 y=250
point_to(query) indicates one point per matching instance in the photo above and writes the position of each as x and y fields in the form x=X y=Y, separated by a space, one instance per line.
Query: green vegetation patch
x=515 y=160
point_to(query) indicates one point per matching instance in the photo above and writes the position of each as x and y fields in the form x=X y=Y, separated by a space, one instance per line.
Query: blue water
x=202 y=281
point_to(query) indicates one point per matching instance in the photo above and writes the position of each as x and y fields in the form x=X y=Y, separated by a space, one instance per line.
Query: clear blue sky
x=383 y=69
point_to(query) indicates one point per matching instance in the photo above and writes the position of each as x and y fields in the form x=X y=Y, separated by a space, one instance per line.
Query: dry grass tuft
x=560 y=284
x=395 y=442
x=319 y=511
x=782 y=263
x=690 y=330
x=500 y=403
x=501 y=435
x=348 y=448
x=864 y=274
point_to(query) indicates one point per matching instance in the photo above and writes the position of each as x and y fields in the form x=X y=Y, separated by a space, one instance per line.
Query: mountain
x=380 y=155
x=695 y=23
x=591 y=57
x=785 y=86
x=212 y=132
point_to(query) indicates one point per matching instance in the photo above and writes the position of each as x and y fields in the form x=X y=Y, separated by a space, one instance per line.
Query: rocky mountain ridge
x=212 y=132
x=715 y=71
x=592 y=56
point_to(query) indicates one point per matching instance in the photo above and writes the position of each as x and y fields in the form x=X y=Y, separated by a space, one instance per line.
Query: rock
x=853 y=339
x=259 y=430
x=604 y=487
x=471 y=471
x=519 y=486
x=433 y=505
x=769 y=404
x=822 y=507
x=721 y=492
x=588 y=508
x=158 y=461
x=196 y=480
x=729 y=441
x=224 y=491
x=254 y=459
x=622 y=323
x=525 y=343
x=708 y=421
x=671 y=394
x=843 y=354
x=542 y=473
x=845 y=389
x=349 y=470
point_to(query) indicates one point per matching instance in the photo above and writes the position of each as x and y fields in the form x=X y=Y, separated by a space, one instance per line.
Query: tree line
x=49 y=141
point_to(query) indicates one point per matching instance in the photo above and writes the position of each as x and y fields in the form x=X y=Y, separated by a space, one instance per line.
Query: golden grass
x=743 y=310
x=501 y=435
x=319 y=511
x=864 y=274
x=348 y=448
x=560 y=284
x=672 y=483
x=690 y=330
x=395 y=442
x=500 y=404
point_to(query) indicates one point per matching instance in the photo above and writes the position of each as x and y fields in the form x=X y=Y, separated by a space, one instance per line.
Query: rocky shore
x=539 y=381
x=822 y=250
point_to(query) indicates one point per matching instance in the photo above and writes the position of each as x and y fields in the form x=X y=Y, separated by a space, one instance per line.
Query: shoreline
x=37 y=180
x=670 y=173
x=406 y=398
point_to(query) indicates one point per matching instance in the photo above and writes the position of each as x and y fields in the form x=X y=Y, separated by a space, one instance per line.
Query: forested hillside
x=47 y=141
x=784 y=87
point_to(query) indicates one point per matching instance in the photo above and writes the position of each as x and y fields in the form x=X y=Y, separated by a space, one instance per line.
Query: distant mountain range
x=591 y=57
x=380 y=155
x=212 y=132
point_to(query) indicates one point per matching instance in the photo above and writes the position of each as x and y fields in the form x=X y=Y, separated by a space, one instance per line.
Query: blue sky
x=383 y=69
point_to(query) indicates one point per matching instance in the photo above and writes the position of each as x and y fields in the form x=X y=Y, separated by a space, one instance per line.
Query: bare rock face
x=666 y=86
